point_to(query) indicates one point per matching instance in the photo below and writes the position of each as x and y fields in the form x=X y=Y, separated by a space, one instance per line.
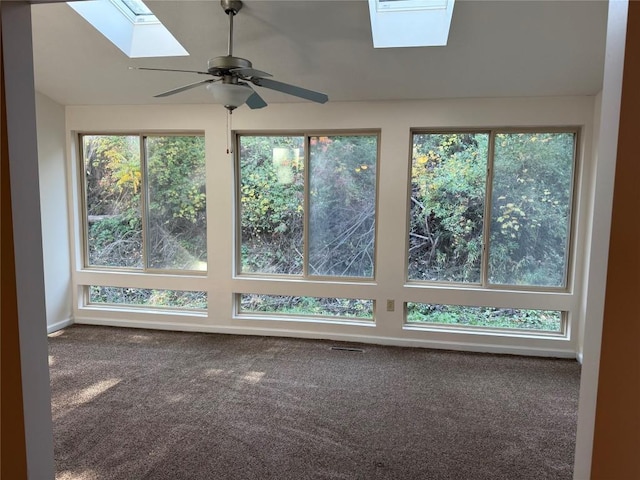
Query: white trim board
x=375 y=340
x=54 y=327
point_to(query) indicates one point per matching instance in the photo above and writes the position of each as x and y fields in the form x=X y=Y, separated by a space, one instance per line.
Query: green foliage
x=307 y=306
x=177 y=201
x=112 y=172
x=148 y=297
x=341 y=193
x=118 y=238
x=114 y=184
x=550 y=321
x=533 y=174
x=271 y=202
x=342 y=202
x=447 y=206
x=530 y=207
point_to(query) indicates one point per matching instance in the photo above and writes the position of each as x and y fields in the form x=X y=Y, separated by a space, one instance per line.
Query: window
x=145 y=297
x=332 y=308
x=511 y=227
x=307 y=205
x=550 y=321
x=145 y=201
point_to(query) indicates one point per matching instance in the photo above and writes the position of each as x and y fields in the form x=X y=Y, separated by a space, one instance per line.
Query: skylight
x=135 y=10
x=410 y=23
x=131 y=26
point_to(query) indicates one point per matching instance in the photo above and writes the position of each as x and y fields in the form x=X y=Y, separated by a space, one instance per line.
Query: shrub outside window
x=144 y=201
x=307 y=205
x=146 y=297
x=491 y=208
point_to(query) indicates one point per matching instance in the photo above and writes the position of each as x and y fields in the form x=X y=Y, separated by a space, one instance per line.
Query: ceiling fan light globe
x=230 y=95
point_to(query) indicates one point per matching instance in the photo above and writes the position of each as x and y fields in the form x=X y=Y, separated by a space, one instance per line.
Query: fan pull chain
x=229 y=136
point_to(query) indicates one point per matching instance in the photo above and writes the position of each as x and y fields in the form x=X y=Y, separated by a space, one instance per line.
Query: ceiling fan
x=233 y=77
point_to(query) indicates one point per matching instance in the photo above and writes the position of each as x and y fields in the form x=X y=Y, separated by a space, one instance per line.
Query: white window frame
x=237 y=209
x=484 y=268
x=144 y=205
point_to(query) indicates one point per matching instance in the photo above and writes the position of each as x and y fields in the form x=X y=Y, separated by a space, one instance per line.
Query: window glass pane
x=113 y=185
x=448 y=178
x=306 y=306
x=543 y=320
x=271 y=204
x=342 y=205
x=148 y=297
x=137 y=7
x=177 y=222
x=531 y=205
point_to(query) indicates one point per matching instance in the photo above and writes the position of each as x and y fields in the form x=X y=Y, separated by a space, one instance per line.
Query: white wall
x=17 y=63
x=394 y=120
x=50 y=118
x=596 y=256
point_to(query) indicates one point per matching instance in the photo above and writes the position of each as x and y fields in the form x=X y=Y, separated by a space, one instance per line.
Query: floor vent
x=348 y=349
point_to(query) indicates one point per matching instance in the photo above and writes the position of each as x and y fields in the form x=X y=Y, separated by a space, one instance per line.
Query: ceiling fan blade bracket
x=247 y=73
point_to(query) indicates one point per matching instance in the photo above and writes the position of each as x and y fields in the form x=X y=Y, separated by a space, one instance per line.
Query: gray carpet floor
x=139 y=404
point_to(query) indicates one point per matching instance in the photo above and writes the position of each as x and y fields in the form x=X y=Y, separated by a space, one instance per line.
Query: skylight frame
x=410 y=23
x=135 y=17
x=408 y=5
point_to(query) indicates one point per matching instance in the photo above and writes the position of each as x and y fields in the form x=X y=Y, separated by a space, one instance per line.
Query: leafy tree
x=341 y=193
x=175 y=180
x=533 y=174
x=530 y=207
x=447 y=206
x=272 y=204
x=177 y=201
x=112 y=187
x=342 y=197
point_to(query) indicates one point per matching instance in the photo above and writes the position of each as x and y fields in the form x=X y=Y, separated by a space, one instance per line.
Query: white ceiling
x=495 y=49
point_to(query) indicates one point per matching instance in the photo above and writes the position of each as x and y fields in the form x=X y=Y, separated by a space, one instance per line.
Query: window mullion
x=144 y=202
x=85 y=206
x=488 y=205
x=305 y=219
x=237 y=175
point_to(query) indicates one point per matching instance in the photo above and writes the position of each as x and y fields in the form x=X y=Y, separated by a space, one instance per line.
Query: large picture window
x=145 y=201
x=491 y=208
x=307 y=205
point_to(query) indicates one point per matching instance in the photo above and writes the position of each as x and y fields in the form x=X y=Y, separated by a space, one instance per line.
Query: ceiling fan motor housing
x=222 y=65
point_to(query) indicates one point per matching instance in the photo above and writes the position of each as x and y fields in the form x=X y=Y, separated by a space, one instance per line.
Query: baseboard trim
x=370 y=339
x=579 y=357
x=54 y=327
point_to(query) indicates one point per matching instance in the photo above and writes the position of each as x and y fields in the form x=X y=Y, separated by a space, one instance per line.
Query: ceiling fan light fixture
x=231 y=95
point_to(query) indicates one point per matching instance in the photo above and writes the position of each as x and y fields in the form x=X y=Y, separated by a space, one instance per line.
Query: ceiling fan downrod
x=231 y=8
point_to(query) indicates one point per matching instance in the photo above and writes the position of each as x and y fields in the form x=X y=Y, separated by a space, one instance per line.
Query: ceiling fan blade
x=255 y=101
x=183 y=88
x=290 y=89
x=169 y=70
x=250 y=72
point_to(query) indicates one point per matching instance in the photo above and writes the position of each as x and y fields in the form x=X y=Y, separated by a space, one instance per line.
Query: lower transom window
x=550 y=321
x=146 y=297
x=290 y=306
